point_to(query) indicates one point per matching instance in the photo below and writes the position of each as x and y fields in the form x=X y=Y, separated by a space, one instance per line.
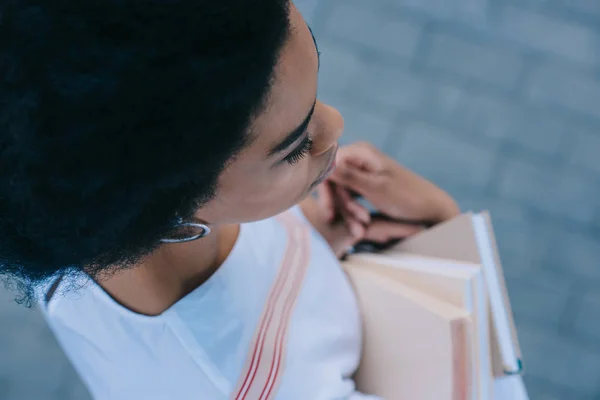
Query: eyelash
x=302 y=151
x=295 y=156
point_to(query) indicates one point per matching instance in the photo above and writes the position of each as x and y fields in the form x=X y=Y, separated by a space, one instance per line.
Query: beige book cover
x=470 y=238
x=460 y=284
x=414 y=345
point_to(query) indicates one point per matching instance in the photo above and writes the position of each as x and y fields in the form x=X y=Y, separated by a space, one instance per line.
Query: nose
x=330 y=126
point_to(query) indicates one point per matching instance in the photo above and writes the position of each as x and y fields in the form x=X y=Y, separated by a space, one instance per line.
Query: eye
x=300 y=152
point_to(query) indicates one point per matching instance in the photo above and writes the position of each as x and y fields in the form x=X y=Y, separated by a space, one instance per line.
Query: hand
x=336 y=233
x=392 y=189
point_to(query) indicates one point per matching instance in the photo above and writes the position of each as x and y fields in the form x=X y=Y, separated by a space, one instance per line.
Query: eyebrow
x=316 y=45
x=295 y=134
x=299 y=131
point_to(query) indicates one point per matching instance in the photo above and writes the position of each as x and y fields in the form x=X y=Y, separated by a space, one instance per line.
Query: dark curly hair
x=116 y=116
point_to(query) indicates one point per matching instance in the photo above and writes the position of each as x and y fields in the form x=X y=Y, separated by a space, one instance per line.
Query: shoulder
x=77 y=305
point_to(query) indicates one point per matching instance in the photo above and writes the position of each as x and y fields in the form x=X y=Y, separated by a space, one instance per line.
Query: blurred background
x=497 y=101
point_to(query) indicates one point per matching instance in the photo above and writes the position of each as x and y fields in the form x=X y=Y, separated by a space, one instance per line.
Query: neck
x=171 y=272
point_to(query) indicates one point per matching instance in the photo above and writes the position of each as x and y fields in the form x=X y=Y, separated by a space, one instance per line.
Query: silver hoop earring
x=190 y=231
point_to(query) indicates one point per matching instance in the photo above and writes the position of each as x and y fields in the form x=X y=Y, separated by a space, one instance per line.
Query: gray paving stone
x=21 y=370
x=307 y=8
x=31 y=358
x=542 y=300
x=395 y=89
x=580 y=12
x=339 y=68
x=582 y=6
x=479 y=114
x=30 y=392
x=585 y=151
x=365 y=125
x=469 y=12
x=568 y=88
x=486 y=116
x=522 y=238
x=563 y=192
x=5 y=386
x=492 y=121
x=370 y=25
x=575 y=253
x=548 y=34
x=471 y=200
x=537 y=132
x=442 y=157
x=474 y=58
x=539 y=4
x=544 y=389
x=587 y=318
x=72 y=388
x=560 y=360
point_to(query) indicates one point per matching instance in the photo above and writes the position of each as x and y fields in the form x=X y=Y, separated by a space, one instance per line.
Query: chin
x=304 y=196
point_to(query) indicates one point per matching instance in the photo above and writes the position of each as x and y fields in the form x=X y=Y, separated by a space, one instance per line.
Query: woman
x=149 y=152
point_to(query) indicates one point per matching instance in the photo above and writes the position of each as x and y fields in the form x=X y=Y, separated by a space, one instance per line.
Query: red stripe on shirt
x=274 y=374
x=294 y=262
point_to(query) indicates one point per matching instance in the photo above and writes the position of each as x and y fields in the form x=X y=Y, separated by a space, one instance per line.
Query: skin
x=254 y=185
x=257 y=184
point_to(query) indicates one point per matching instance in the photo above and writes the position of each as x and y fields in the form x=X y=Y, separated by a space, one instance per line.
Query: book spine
x=502 y=281
x=461 y=360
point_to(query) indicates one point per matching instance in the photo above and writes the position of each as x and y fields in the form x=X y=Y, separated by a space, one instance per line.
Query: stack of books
x=437 y=320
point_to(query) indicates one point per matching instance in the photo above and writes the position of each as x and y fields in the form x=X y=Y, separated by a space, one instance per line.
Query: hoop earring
x=204 y=230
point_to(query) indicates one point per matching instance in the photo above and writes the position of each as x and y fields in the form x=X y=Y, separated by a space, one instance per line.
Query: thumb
x=357 y=179
x=363 y=156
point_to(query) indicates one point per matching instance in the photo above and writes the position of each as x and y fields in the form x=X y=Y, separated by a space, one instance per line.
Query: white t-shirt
x=278 y=320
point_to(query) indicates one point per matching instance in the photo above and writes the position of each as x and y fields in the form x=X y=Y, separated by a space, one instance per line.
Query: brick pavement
x=496 y=100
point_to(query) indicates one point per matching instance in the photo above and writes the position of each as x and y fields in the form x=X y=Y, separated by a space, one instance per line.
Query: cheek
x=254 y=194
x=286 y=181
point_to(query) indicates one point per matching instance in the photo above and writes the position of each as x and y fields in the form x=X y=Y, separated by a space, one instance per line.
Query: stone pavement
x=498 y=101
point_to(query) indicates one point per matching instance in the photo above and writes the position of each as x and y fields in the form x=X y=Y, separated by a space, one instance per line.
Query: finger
x=384 y=231
x=352 y=206
x=325 y=197
x=354 y=225
x=354 y=178
x=356 y=228
x=342 y=239
x=360 y=212
x=362 y=155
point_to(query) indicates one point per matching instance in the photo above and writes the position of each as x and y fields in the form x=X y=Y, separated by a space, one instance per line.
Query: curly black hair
x=116 y=116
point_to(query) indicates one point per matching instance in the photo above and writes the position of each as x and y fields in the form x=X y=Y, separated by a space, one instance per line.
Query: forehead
x=294 y=87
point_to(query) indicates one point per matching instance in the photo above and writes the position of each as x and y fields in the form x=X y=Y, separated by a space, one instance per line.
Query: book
x=470 y=238
x=415 y=346
x=457 y=283
x=437 y=296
